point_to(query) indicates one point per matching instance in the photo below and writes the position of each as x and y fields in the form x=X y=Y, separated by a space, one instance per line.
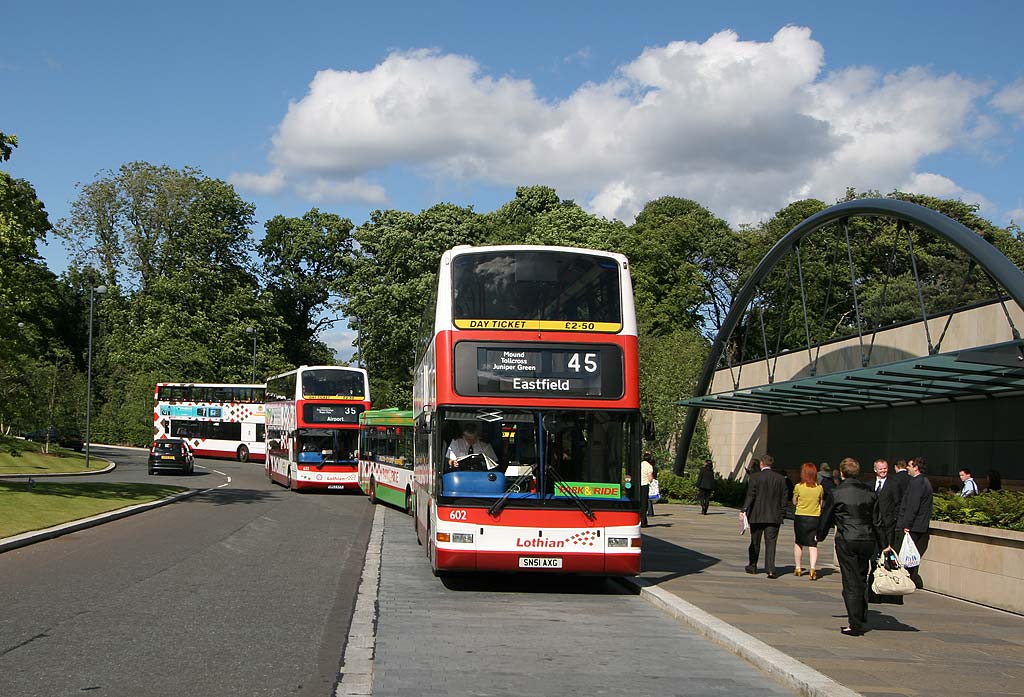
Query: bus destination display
x=331 y=413
x=570 y=370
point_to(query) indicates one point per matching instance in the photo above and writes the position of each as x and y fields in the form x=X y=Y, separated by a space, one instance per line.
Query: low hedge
x=683 y=489
x=994 y=509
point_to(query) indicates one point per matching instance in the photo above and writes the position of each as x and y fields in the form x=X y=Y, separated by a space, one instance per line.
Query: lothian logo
x=580 y=539
x=584 y=539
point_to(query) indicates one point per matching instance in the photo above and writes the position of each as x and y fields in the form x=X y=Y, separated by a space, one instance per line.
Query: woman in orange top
x=807 y=497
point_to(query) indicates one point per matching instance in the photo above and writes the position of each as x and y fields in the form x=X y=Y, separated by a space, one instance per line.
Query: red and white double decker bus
x=313 y=426
x=217 y=419
x=526 y=401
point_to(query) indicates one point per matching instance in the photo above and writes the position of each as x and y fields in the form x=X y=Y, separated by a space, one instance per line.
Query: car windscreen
x=168 y=446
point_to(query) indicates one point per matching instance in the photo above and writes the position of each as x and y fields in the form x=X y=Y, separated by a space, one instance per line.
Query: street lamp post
x=252 y=330
x=98 y=290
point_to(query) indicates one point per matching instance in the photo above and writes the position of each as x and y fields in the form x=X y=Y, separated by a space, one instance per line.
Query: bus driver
x=470 y=444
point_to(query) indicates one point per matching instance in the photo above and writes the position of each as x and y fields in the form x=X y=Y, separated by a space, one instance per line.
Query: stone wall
x=983 y=565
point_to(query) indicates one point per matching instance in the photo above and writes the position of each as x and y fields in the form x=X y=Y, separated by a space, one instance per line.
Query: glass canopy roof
x=983 y=372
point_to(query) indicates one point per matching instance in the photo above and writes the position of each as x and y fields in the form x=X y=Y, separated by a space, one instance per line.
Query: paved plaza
x=932 y=645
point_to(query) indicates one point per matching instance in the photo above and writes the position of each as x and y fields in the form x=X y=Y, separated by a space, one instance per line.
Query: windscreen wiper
x=514 y=488
x=567 y=490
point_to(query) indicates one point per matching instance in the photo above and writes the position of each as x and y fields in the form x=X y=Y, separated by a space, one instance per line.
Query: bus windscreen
x=533 y=285
x=332 y=384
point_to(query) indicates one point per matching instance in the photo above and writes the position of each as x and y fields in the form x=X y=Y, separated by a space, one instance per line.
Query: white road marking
x=210 y=469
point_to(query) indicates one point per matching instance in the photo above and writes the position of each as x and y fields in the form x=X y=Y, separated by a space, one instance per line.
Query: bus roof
x=304 y=368
x=469 y=249
x=386 y=417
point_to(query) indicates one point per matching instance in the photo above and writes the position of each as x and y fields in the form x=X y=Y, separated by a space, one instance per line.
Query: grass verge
x=50 y=503
x=26 y=457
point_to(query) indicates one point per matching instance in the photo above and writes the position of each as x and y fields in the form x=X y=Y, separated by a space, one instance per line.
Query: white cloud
x=326 y=190
x=1015 y=216
x=1010 y=99
x=267 y=184
x=743 y=127
x=341 y=339
x=943 y=187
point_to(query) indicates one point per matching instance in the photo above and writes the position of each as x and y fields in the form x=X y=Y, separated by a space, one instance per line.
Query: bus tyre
x=416 y=529
x=243 y=453
x=408 y=502
x=373 y=491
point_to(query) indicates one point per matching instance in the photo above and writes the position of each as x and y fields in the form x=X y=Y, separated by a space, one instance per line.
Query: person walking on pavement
x=808 y=496
x=646 y=475
x=915 y=514
x=889 y=492
x=705 y=485
x=764 y=507
x=853 y=509
x=825 y=477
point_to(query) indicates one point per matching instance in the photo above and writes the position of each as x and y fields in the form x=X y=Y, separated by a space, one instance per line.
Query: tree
x=303 y=261
x=30 y=295
x=174 y=249
x=684 y=265
x=7 y=145
x=393 y=276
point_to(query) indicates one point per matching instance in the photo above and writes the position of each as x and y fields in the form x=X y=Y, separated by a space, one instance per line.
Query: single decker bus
x=313 y=426
x=217 y=419
x=385 y=456
x=526 y=406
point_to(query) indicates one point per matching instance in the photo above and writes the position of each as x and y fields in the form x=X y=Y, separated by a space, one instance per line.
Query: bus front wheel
x=243 y=453
x=373 y=491
x=408 y=503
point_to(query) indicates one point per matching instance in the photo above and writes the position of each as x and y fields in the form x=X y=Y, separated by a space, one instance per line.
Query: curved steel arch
x=1004 y=271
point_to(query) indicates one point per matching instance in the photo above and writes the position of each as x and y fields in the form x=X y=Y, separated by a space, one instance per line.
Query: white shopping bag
x=909 y=556
x=744 y=524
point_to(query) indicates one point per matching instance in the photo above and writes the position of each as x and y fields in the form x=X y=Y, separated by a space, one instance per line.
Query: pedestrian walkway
x=534 y=635
x=932 y=645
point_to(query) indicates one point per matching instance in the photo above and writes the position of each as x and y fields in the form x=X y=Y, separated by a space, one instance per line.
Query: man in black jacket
x=915 y=514
x=890 y=490
x=764 y=507
x=853 y=509
x=705 y=485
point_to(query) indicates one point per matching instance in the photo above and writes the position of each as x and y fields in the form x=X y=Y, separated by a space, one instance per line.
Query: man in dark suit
x=889 y=490
x=915 y=514
x=852 y=508
x=901 y=477
x=764 y=507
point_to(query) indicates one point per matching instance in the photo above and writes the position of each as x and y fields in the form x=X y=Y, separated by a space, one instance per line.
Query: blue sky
x=349 y=107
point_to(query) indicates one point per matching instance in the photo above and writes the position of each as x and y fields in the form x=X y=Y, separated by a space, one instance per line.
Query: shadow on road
x=672 y=560
x=228 y=496
x=530 y=583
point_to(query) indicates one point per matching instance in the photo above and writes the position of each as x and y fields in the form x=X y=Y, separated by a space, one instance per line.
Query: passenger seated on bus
x=470 y=444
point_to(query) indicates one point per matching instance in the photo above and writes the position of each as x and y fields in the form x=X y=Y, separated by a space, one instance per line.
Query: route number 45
x=457 y=514
x=589 y=362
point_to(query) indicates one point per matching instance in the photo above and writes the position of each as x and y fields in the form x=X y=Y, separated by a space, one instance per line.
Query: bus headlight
x=463 y=537
x=618 y=542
